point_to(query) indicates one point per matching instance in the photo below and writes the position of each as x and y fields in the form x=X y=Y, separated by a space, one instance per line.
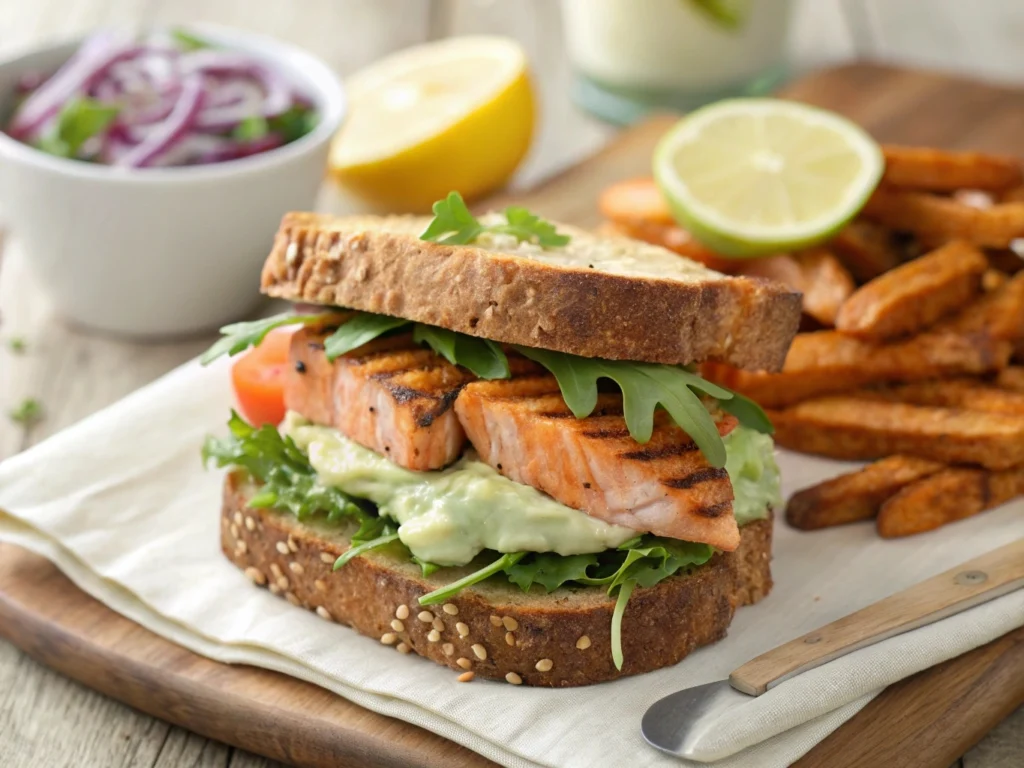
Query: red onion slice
x=91 y=59
x=171 y=130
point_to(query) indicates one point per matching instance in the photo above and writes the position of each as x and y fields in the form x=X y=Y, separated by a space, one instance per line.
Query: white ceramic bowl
x=163 y=251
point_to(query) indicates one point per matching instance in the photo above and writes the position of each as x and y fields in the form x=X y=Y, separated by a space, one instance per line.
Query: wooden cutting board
x=928 y=720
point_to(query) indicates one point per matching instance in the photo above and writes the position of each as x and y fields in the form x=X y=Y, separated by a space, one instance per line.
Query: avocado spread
x=449 y=516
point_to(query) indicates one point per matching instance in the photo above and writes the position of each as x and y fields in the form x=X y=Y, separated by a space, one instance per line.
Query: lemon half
x=457 y=114
x=755 y=176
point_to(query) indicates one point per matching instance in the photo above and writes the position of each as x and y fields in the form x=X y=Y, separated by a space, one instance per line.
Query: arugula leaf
x=748 y=412
x=288 y=480
x=550 y=570
x=644 y=387
x=481 y=356
x=426 y=568
x=620 y=608
x=453 y=218
x=27 y=413
x=372 y=528
x=238 y=337
x=452 y=215
x=358 y=330
x=251 y=128
x=502 y=563
x=79 y=120
x=187 y=41
x=363 y=548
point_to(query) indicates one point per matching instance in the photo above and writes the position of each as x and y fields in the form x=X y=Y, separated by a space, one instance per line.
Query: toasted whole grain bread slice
x=614 y=298
x=514 y=630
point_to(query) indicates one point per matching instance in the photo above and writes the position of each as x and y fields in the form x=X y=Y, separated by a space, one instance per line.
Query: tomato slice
x=258 y=379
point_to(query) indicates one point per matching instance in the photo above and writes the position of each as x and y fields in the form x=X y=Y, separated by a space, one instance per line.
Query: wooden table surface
x=47 y=720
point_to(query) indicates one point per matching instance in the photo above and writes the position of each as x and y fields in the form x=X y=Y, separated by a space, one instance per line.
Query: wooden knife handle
x=975 y=582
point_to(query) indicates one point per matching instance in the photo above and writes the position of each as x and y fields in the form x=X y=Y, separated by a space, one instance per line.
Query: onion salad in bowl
x=168 y=99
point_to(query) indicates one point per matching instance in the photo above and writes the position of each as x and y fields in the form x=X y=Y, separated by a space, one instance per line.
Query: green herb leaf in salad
x=78 y=121
x=294 y=123
x=251 y=128
x=186 y=41
x=453 y=224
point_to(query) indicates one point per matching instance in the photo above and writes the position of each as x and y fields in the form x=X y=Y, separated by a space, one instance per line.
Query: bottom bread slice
x=493 y=628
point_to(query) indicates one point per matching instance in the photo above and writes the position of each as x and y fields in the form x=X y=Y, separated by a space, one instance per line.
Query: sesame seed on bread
x=613 y=298
x=492 y=629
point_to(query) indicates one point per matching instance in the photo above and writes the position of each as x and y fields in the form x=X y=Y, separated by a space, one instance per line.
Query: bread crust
x=379 y=265
x=661 y=625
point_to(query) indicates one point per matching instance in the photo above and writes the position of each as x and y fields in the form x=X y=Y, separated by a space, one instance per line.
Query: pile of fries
x=911 y=353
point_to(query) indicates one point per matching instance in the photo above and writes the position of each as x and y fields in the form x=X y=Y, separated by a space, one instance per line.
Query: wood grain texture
x=967 y=585
x=75 y=374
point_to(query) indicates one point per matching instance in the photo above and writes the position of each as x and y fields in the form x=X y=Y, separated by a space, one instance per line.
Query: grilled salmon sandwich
x=491 y=447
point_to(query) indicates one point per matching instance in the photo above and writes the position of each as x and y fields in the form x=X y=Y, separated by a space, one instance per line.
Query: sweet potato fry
x=815 y=272
x=1015 y=195
x=635 y=201
x=827 y=362
x=942 y=170
x=1005 y=260
x=931 y=216
x=964 y=394
x=857 y=495
x=1011 y=378
x=999 y=313
x=674 y=238
x=856 y=428
x=914 y=295
x=867 y=249
x=945 y=497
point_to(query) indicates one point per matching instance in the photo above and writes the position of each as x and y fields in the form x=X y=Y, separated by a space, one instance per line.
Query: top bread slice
x=613 y=298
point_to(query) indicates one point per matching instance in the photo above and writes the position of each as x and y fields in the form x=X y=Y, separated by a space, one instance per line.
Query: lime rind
x=745 y=239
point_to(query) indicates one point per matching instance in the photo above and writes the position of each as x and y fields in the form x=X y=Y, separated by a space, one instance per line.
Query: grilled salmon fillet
x=523 y=428
x=390 y=395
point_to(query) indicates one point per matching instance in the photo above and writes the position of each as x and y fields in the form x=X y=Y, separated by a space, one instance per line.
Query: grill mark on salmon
x=390 y=395
x=650 y=454
x=715 y=510
x=696 y=478
x=523 y=428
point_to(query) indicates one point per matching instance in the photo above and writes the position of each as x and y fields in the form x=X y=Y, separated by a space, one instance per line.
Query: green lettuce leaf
x=288 y=481
x=550 y=570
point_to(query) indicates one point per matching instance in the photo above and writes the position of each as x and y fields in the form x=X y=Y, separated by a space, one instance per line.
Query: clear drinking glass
x=632 y=56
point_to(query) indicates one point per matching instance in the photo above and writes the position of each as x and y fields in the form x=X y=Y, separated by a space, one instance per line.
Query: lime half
x=753 y=176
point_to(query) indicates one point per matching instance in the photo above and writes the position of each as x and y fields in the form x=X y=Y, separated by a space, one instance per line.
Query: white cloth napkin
x=121 y=504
